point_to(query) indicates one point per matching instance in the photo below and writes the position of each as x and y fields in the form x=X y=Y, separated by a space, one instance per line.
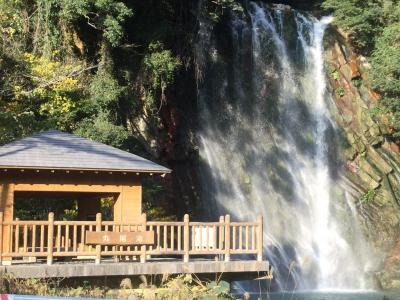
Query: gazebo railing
x=53 y=240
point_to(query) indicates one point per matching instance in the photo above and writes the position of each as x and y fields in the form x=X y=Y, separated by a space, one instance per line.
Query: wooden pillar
x=227 y=238
x=7 y=208
x=143 y=220
x=128 y=206
x=186 y=238
x=98 y=247
x=50 y=239
x=260 y=238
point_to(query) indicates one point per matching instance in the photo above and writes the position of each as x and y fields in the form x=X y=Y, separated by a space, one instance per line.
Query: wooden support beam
x=50 y=239
x=67 y=188
x=186 y=238
x=260 y=238
x=227 y=237
x=7 y=208
x=143 y=220
x=98 y=247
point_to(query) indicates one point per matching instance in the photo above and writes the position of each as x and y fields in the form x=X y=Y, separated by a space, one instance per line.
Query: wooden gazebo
x=55 y=163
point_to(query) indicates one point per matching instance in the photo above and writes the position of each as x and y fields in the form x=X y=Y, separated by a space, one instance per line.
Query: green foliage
x=368 y=197
x=46 y=287
x=160 y=66
x=386 y=61
x=385 y=73
x=335 y=75
x=39 y=209
x=91 y=67
x=374 y=30
x=187 y=287
x=340 y=91
x=357 y=82
x=102 y=130
x=363 y=20
x=216 y=8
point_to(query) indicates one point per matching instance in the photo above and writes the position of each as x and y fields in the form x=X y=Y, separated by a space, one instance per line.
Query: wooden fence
x=67 y=239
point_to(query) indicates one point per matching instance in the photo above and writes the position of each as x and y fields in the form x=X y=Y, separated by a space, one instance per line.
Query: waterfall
x=268 y=145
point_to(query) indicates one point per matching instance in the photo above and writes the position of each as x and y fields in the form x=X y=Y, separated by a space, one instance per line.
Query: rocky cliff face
x=372 y=160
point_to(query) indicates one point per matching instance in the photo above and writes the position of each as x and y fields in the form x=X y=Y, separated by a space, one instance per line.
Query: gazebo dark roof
x=59 y=150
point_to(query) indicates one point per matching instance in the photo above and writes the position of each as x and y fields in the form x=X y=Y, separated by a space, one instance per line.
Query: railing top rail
x=24 y=222
x=244 y=223
x=112 y=223
x=204 y=223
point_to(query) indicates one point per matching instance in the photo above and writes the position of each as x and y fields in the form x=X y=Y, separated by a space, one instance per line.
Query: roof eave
x=166 y=171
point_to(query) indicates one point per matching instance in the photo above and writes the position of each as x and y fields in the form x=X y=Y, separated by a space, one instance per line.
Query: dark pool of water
x=327 y=296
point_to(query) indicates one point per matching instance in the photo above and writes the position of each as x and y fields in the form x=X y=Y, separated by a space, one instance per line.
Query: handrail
x=50 y=239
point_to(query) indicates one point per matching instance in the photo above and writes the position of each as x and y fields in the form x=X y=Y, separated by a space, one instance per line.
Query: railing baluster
x=247 y=237
x=33 y=238
x=158 y=237
x=151 y=229
x=207 y=238
x=67 y=238
x=240 y=237
x=90 y=246
x=234 y=237
x=11 y=238
x=253 y=237
x=42 y=238
x=165 y=231
x=82 y=245
x=17 y=237
x=74 y=238
x=58 y=240
x=172 y=237
x=221 y=233
x=179 y=237
x=106 y=228
x=193 y=237
x=214 y=231
x=129 y=247
x=25 y=247
x=114 y=229
x=200 y=231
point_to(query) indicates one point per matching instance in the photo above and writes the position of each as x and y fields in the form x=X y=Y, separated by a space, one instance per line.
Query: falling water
x=269 y=145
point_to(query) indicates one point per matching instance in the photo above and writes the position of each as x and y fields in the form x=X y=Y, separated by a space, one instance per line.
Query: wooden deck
x=62 y=248
x=234 y=269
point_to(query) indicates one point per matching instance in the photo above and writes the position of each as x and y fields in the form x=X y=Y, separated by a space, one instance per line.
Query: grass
x=187 y=287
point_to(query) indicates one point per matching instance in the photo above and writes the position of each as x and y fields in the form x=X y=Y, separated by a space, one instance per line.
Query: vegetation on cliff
x=374 y=30
x=102 y=69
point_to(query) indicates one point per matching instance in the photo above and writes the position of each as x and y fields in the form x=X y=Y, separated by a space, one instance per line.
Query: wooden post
x=1 y=237
x=221 y=230
x=260 y=238
x=143 y=248
x=50 y=239
x=98 y=247
x=186 y=238
x=227 y=237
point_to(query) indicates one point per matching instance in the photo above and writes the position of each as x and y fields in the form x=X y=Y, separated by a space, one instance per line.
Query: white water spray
x=267 y=141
